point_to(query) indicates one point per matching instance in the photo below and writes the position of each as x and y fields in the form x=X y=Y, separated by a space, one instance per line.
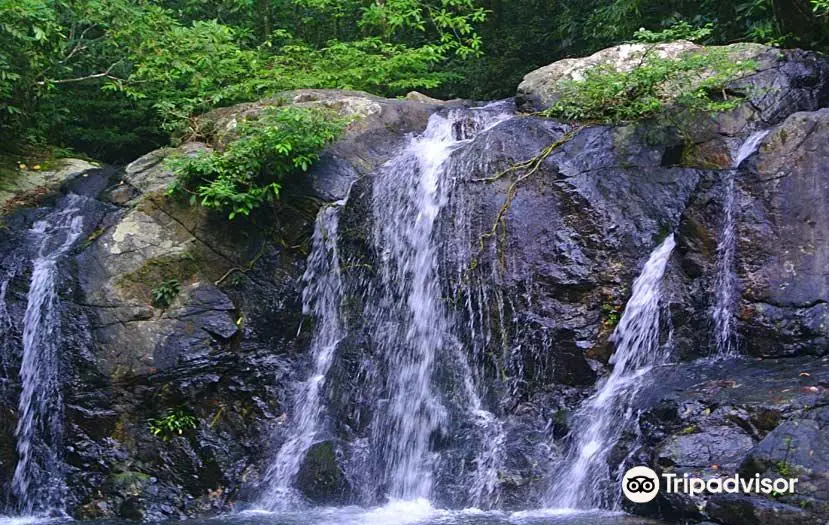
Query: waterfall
x=409 y=331
x=6 y=343
x=38 y=477
x=413 y=327
x=321 y=298
x=600 y=421
x=406 y=202
x=725 y=282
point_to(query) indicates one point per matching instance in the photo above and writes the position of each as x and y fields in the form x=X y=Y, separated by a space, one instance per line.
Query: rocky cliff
x=538 y=267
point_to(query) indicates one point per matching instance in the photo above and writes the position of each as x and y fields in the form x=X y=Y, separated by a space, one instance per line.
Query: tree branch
x=104 y=74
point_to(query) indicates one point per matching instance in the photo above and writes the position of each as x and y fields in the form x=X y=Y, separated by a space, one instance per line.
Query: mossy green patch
x=182 y=267
x=130 y=482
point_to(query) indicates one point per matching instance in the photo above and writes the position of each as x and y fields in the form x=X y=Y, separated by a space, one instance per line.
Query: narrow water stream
x=321 y=299
x=726 y=291
x=604 y=416
x=38 y=482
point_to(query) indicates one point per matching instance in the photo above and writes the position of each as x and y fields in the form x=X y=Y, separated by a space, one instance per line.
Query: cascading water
x=407 y=199
x=725 y=282
x=321 y=299
x=6 y=346
x=412 y=326
x=409 y=329
x=599 y=423
x=38 y=481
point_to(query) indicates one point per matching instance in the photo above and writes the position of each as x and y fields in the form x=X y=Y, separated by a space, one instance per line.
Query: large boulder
x=784 y=240
x=783 y=82
x=539 y=88
x=321 y=478
x=377 y=128
x=720 y=418
x=29 y=186
x=156 y=239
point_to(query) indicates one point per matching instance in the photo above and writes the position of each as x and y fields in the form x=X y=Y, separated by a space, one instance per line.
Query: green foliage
x=175 y=423
x=612 y=314
x=693 y=82
x=190 y=69
x=820 y=7
x=784 y=468
x=680 y=30
x=114 y=78
x=150 y=66
x=369 y=64
x=248 y=171
x=164 y=294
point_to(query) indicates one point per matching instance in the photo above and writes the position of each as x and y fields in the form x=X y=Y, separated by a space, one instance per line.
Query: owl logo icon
x=640 y=484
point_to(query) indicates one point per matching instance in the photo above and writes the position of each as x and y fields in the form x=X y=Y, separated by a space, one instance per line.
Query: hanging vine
x=525 y=169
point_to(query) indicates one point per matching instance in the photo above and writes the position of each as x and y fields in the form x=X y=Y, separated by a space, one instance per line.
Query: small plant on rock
x=165 y=293
x=612 y=314
x=175 y=423
x=680 y=30
x=694 y=82
x=248 y=171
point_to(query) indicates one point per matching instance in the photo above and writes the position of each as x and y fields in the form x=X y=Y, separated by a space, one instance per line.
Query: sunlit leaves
x=248 y=172
x=692 y=82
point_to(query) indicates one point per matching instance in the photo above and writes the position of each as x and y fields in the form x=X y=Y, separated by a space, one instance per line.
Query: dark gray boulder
x=742 y=417
x=784 y=251
x=321 y=478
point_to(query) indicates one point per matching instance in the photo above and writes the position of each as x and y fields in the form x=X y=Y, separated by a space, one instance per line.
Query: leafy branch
x=249 y=171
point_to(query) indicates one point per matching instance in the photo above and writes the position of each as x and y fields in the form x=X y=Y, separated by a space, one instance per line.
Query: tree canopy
x=115 y=78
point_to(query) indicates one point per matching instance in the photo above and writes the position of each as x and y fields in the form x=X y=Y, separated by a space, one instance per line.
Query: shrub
x=165 y=293
x=175 y=423
x=694 y=82
x=248 y=172
x=680 y=30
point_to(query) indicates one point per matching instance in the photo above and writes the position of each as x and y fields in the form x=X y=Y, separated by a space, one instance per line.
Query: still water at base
x=396 y=513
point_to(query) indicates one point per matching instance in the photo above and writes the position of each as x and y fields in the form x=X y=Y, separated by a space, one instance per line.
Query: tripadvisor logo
x=641 y=484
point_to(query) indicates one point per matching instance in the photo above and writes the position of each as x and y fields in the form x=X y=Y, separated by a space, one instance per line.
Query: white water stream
x=726 y=293
x=38 y=476
x=603 y=417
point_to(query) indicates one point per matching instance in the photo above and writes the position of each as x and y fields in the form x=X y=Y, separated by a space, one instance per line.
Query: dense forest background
x=113 y=79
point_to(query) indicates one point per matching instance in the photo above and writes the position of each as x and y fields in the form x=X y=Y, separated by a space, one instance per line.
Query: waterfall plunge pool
x=418 y=512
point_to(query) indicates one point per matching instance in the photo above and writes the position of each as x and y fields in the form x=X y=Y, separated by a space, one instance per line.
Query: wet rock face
x=785 y=240
x=321 y=478
x=570 y=239
x=781 y=246
x=220 y=348
x=748 y=417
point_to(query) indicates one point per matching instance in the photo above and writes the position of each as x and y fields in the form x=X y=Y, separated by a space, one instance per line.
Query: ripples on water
x=418 y=512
